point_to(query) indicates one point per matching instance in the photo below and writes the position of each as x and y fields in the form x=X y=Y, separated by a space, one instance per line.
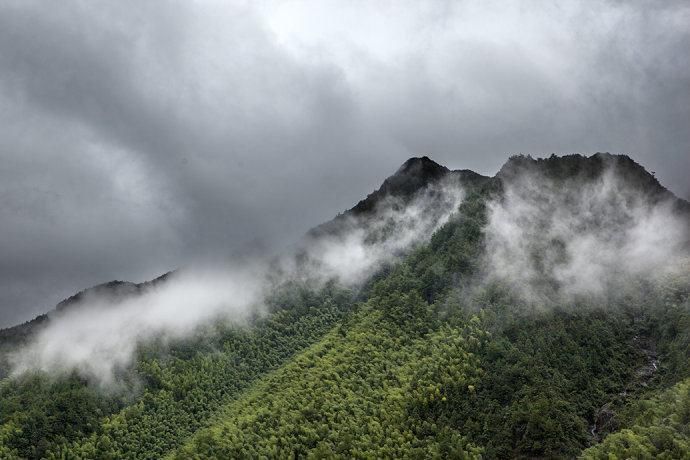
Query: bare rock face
x=604 y=422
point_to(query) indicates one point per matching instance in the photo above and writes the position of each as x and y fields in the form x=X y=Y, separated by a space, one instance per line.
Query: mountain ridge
x=434 y=357
x=112 y=290
x=414 y=174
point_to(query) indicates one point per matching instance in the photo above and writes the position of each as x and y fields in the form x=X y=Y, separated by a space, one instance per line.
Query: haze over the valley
x=137 y=138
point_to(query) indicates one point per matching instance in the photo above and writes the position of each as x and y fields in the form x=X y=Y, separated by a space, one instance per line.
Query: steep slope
x=471 y=372
x=413 y=176
x=435 y=354
x=299 y=315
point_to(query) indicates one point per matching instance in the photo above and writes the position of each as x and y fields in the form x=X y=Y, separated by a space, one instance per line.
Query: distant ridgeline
x=111 y=290
x=540 y=313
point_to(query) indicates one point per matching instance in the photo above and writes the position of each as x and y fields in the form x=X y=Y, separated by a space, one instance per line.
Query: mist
x=100 y=337
x=137 y=137
x=363 y=243
x=550 y=240
x=563 y=240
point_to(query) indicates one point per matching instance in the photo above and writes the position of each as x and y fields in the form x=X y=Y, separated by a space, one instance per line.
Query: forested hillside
x=540 y=313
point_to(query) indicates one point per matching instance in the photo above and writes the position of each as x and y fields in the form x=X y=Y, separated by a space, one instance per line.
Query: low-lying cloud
x=579 y=237
x=101 y=335
x=367 y=242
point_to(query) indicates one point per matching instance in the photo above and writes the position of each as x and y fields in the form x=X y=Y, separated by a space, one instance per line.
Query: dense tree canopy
x=420 y=362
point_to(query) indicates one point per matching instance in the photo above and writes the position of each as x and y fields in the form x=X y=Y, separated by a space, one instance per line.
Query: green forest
x=425 y=359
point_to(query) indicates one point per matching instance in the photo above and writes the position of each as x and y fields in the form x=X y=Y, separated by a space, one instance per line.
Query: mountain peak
x=413 y=175
x=424 y=166
x=592 y=167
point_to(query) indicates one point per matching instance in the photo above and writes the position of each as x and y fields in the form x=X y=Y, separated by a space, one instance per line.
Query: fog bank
x=560 y=239
x=100 y=336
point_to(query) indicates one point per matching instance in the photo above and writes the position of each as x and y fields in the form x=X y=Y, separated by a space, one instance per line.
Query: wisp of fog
x=363 y=243
x=102 y=334
x=560 y=240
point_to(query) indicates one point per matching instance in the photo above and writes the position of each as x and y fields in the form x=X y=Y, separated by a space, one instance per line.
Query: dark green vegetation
x=423 y=361
x=182 y=386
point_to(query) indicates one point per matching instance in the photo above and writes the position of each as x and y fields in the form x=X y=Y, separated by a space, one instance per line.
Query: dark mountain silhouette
x=414 y=175
x=112 y=290
x=582 y=168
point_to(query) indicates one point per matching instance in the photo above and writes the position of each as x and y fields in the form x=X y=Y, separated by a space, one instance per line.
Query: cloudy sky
x=140 y=136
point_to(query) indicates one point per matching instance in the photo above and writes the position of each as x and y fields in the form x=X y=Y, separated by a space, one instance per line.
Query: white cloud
x=578 y=237
x=102 y=334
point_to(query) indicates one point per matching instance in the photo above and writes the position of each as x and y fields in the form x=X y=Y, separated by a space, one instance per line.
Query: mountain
x=415 y=175
x=112 y=290
x=582 y=168
x=539 y=313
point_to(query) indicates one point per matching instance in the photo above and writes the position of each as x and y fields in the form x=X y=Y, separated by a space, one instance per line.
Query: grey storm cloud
x=136 y=137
